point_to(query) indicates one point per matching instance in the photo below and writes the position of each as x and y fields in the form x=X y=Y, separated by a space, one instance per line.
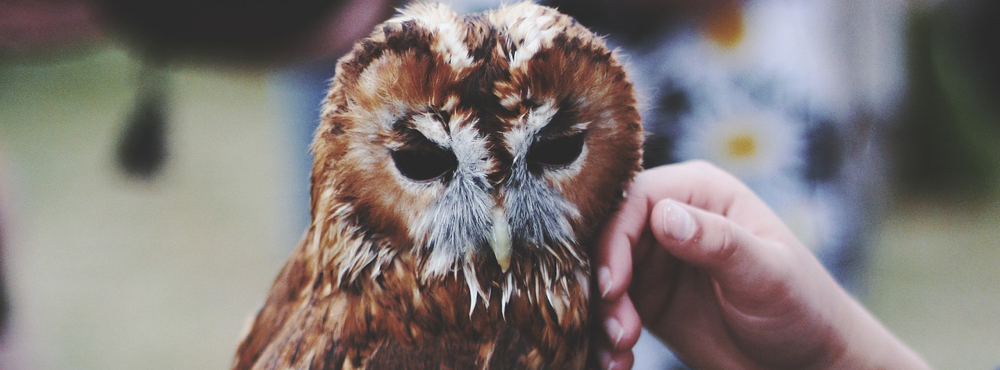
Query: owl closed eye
x=462 y=169
x=420 y=159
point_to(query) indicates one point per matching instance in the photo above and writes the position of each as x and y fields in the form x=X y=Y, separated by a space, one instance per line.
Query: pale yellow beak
x=500 y=240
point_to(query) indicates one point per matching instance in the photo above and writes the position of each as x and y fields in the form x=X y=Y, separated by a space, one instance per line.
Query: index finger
x=697 y=183
x=614 y=245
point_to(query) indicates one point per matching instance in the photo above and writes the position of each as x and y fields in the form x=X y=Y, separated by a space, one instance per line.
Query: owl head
x=492 y=145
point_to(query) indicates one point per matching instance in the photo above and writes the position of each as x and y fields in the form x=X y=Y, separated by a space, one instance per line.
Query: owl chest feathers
x=519 y=320
x=382 y=314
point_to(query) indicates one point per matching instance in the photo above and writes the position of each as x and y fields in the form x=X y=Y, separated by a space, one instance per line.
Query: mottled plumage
x=463 y=167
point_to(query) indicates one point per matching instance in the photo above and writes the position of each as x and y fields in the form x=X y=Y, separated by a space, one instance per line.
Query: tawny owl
x=463 y=167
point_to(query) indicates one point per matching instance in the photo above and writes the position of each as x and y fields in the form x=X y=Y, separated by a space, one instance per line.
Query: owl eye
x=424 y=164
x=556 y=152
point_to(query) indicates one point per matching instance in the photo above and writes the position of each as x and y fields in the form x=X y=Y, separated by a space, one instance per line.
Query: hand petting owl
x=462 y=169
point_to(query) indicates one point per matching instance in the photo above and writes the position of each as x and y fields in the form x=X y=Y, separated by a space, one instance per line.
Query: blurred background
x=154 y=164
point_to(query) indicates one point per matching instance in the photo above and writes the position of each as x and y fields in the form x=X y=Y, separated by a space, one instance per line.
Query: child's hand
x=695 y=257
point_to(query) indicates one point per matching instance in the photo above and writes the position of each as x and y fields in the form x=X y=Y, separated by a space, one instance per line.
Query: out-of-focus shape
x=29 y=27
x=947 y=144
x=142 y=149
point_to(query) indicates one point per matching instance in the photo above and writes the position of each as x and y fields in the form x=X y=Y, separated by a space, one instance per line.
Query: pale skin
x=700 y=261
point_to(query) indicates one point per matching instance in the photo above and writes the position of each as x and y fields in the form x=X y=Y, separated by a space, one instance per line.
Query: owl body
x=462 y=169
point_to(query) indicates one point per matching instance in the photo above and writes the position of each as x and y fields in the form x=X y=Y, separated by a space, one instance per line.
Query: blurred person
x=793 y=98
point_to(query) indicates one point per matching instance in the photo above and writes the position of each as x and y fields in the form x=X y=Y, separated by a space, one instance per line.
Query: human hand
x=700 y=261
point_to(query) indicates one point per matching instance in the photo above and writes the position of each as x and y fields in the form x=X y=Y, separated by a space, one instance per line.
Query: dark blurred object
x=219 y=28
x=4 y=298
x=257 y=34
x=825 y=153
x=4 y=303
x=633 y=21
x=142 y=149
x=949 y=143
x=32 y=26
x=979 y=24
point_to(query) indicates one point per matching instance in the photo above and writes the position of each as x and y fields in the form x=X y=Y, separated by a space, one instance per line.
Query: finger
x=697 y=183
x=642 y=250
x=615 y=360
x=708 y=187
x=621 y=323
x=613 y=256
x=703 y=185
x=653 y=278
x=732 y=255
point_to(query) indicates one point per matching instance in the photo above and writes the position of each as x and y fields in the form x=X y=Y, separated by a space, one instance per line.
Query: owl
x=463 y=166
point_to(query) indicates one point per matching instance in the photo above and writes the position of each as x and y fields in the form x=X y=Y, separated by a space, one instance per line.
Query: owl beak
x=500 y=240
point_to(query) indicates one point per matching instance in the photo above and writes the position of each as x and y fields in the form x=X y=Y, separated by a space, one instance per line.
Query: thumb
x=736 y=258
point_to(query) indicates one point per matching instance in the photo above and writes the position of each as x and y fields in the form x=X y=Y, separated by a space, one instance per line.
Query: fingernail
x=604 y=280
x=605 y=358
x=677 y=221
x=615 y=331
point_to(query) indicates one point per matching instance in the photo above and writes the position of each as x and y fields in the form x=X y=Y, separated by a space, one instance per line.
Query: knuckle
x=704 y=166
x=699 y=165
x=726 y=244
x=711 y=170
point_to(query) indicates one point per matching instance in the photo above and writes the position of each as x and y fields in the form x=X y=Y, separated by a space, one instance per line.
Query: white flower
x=789 y=47
x=756 y=144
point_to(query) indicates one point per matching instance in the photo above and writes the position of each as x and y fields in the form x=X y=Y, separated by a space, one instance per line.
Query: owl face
x=494 y=144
